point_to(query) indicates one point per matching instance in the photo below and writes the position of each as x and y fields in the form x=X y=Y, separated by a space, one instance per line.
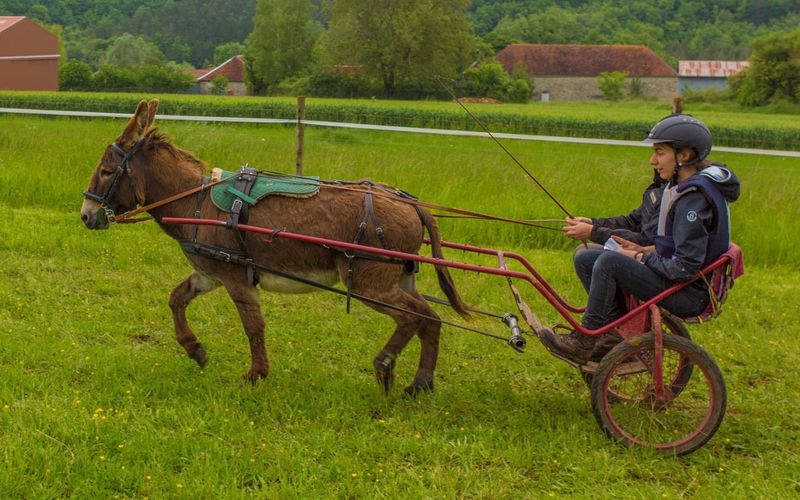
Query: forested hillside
x=676 y=29
x=190 y=30
x=184 y=30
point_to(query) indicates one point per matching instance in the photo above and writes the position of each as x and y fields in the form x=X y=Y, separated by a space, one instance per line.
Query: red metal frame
x=533 y=277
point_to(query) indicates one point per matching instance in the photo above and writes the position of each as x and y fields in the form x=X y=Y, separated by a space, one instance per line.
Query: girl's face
x=663 y=160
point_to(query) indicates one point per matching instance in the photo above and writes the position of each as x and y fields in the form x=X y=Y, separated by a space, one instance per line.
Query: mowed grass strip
x=97 y=399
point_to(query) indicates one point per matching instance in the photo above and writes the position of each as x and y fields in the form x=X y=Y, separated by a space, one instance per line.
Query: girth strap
x=369 y=215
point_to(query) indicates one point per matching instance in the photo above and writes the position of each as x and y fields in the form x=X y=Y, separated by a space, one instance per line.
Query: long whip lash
x=441 y=82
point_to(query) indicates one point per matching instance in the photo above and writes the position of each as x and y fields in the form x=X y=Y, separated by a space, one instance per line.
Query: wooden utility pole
x=301 y=110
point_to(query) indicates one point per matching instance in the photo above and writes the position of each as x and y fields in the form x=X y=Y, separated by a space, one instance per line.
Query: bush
x=636 y=88
x=75 y=75
x=706 y=95
x=612 y=85
x=519 y=91
x=327 y=84
x=114 y=79
x=491 y=80
x=219 y=85
x=161 y=79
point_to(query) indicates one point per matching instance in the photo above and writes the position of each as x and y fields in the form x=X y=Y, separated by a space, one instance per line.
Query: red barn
x=28 y=55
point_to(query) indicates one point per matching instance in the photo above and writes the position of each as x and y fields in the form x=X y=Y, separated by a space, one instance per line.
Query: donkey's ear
x=136 y=126
x=152 y=108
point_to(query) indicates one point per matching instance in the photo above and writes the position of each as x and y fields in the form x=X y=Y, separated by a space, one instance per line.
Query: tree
x=281 y=44
x=774 y=72
x=128 y=51
x=401 y=41
x=227 y=50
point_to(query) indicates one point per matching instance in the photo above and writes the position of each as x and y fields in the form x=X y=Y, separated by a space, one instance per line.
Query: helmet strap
x=678 y=166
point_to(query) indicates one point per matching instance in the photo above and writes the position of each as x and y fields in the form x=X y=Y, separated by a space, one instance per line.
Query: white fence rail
x=389 y=128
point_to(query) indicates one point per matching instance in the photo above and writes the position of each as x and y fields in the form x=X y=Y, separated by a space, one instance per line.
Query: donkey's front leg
x=247 y=301
x=190 y=288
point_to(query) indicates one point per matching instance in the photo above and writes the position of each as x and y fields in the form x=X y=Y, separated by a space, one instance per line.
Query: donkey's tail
x=445 y=281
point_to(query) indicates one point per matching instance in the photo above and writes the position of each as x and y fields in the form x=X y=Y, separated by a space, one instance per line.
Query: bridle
x=122 y=168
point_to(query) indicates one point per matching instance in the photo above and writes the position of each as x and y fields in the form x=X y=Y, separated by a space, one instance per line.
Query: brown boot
x=575 y=346
x=604 y=344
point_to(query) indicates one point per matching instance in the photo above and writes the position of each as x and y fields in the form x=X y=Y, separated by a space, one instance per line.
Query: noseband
x=122 y=168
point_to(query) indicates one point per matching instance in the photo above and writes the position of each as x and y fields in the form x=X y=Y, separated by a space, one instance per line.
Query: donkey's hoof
x=253 y=376
x=199 y=355
x=384 y=370
x=418 y=387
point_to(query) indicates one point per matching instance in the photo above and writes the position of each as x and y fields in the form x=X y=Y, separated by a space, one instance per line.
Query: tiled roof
x=9 y=21
x=233 y=69
x=584 y=60
x=711 y=69
x=197 y=73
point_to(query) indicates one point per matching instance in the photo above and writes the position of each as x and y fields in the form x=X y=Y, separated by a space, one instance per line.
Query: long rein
x=128 y=217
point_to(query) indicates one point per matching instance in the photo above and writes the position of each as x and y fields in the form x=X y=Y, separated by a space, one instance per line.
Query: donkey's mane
x=155 y=139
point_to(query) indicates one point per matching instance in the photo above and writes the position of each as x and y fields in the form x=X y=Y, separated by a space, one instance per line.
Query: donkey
x=142 y=167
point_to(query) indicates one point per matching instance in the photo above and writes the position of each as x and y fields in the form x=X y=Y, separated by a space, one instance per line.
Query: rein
x=394 y=194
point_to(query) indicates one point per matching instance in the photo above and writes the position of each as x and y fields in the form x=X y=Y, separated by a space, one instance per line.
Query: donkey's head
x=114 y=186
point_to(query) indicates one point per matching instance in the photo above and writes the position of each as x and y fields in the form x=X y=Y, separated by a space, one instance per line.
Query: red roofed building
x=707 y=74
x=569 y=72
x=232 y=69
x=28 y=55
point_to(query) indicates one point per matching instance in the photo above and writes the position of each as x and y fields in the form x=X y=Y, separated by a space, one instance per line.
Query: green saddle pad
x=224 y=193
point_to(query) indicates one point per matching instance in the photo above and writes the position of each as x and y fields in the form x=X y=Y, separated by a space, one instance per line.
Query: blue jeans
x=605 y=275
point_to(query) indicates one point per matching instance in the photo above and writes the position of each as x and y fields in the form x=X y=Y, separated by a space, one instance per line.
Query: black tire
x=670 y=325
x=678 y=425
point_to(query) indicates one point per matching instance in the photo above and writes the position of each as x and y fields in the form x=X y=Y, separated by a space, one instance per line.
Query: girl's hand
x=578 y=228
x=629 y=245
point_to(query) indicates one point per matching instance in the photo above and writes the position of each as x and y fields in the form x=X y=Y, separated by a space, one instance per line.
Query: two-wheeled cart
x=656 y=388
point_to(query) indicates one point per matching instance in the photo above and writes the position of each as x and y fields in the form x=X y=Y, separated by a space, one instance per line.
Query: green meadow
x=97 y=400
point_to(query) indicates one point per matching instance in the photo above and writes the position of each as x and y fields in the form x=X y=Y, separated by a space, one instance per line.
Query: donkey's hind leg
x=412 y=316
x=428 y=331
x=195 y=285
x=407 y=325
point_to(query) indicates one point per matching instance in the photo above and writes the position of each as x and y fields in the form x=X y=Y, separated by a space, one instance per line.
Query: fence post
x=301 y=110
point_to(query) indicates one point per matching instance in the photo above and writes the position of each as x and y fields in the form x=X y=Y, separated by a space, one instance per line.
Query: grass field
x=99 y=401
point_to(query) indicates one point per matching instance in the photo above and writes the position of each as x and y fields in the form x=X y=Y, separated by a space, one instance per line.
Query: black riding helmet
x=682 y=131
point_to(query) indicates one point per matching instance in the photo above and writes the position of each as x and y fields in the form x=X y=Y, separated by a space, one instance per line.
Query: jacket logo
x=691 y=216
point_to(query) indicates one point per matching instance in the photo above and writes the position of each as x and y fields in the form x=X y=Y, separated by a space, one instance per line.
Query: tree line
x=392 y=48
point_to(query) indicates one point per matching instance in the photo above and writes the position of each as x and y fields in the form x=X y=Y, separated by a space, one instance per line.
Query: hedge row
x=623 y=129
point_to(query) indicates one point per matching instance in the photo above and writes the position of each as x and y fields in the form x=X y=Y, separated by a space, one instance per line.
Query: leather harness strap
x=369 y=216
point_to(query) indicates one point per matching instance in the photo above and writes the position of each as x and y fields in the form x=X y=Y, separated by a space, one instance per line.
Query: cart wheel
x=626 y=407
x=670 y=325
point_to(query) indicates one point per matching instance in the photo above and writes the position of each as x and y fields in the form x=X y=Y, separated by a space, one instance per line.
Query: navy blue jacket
x=639 y=226
x=694 y=223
